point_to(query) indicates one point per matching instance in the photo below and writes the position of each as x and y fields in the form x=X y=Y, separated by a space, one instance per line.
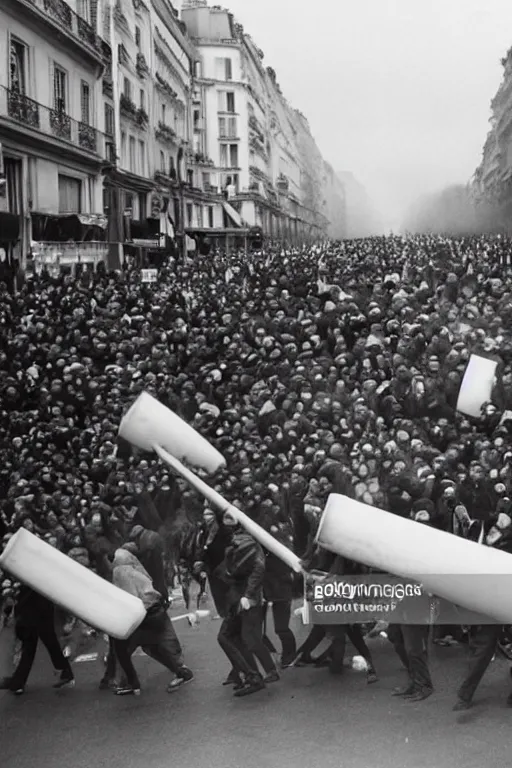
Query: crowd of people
x=330 y=366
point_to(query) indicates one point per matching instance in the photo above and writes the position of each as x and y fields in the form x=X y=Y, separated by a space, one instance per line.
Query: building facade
x=125 y=127
x=492 y=180
x=54 y=140
x=263 y=159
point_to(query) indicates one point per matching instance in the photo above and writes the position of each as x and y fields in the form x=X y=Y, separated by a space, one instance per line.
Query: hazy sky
x=396 y=91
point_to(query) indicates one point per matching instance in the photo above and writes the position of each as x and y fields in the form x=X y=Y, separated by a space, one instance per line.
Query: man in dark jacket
x=151 y=552
x=410 y=641
x=241 y=634
x=278 y=590
x=327 y=562
x=483 y=638
x=35 y=620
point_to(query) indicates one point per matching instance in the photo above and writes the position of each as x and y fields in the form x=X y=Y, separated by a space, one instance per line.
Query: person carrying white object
x=156 y=634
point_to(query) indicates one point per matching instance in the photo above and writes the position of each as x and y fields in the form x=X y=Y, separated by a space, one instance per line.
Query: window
x=127 y=88
x=210 y=216
x=128 y=204
x=18 y=66
x=190 y=177
x=197 y=117
x=223 y=69
x=163 y=113
x=232 y=128
x=109 y=120
x=142 y=99
x=206 y=181
x=142 y=158
x=189 y=214
x=223 y=155
x=85 y=98
x=233 y=155
x=229 y=179
x=83 y=9
x=162 y=162
x=137 y=37
x=222 y=126
x=230 y=102
x=132 y=160
x=172 y=167
x=199 y=215
x=123 y=148
x=60 y=81
x=106 y=199
x=70 y=195
x=142 y=205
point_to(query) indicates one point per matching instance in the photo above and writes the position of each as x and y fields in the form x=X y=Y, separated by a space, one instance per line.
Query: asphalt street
x=309 y=718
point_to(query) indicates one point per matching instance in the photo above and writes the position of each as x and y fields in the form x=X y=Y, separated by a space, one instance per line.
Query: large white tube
x=72 y=586
x=148 y=422
x=259 y=533
x=472 y=576
x=477 y=385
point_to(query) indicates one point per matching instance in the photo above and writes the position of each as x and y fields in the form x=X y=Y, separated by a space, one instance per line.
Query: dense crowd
x=294 y=364
x=332 y=367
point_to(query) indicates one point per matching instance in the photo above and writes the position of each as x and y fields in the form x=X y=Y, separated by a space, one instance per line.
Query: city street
x=308 y=719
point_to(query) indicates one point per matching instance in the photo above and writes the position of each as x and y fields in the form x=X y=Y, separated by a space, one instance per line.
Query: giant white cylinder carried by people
x=149 y=423
x=472 y=576
x=72 y=586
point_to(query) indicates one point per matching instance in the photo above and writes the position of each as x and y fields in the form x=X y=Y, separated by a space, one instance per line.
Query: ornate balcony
x=74 y=31
x=20 y=112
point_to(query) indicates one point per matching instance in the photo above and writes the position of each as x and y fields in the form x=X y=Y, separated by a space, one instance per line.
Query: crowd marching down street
x=331 y=367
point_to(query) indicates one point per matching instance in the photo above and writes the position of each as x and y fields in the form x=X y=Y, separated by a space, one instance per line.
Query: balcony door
x=18 y=66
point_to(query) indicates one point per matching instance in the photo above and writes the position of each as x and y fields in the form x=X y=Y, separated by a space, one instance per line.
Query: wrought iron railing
x=66 y=18
x=21 y=109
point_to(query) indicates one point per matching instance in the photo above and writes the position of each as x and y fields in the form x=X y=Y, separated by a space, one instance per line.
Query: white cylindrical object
x=260 y=534
x=149 y=423
x=446 y=565
x=477 y=385
x=72 y=586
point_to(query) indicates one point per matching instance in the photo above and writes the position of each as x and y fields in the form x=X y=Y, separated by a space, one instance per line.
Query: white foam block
x=149 y=423
x=446 y=565
x=477 y=385
x=72 y=586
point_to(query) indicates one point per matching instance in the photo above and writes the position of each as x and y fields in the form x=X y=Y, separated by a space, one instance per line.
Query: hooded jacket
x=243 y=569
x=151 y=548
x=130 y=576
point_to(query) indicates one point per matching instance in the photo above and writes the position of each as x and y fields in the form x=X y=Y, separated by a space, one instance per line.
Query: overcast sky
x=396 y=91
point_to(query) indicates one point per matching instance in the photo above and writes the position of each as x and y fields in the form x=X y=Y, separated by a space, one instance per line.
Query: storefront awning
x=233 y=214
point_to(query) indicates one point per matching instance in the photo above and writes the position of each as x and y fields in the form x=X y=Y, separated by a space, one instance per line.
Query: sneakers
x=252 y=686
x=7 y=685
x=185 y=676
x=407 y=691
x=67 y=680
x=371 y=676
x=127 y=690
x=272 y=677
x=421 y=695
x=461 y=705
x=231 y=679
